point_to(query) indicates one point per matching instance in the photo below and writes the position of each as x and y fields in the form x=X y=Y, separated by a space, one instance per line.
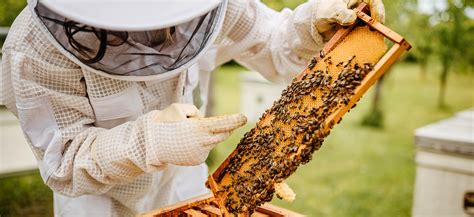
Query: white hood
x=132 y=59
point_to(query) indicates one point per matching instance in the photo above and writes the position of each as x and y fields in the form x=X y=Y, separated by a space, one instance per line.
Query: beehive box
x=257 y=94
x=444 y=184
x=207 y=206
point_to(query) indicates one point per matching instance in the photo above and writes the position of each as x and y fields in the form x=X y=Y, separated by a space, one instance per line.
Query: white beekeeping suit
x=114 y=133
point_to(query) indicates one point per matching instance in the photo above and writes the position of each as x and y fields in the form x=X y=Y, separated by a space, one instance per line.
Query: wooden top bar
x=205 y=206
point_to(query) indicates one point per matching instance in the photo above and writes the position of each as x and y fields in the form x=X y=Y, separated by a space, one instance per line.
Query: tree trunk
x=377 y=95
x=375 y=117
x=442 y=86
x=423 y=69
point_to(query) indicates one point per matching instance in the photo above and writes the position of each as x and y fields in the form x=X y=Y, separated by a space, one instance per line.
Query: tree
x=445 y=54
x=421 y=39
x=375 y=117
x=452 y=35
x=398 y=15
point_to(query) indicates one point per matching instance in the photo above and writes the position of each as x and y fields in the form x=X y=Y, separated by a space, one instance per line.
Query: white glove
x=327 y=13
x=176 y=135
x=377 y=9
x=321 y=19
x=185 y=138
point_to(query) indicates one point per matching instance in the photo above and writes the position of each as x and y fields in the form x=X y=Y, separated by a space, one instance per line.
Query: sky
x=430 y=6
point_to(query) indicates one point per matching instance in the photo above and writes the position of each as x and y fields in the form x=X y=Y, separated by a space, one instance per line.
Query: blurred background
x=366 y=167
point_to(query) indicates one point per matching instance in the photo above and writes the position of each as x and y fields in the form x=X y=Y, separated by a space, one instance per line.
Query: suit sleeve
x=276 y=44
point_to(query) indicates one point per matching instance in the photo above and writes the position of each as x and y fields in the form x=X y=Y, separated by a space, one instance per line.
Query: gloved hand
x=327 y=13
x=184 y=137
x=377 y=9
x=321 y=19
x=176 y=135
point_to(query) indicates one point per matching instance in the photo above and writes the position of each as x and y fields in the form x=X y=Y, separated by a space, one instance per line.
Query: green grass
x=25 y=195
x=361 y=171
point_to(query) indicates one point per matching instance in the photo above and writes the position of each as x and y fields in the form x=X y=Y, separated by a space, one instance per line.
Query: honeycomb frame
x=335 y=115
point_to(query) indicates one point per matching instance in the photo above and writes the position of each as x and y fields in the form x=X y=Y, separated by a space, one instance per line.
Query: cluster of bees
x=288 y=133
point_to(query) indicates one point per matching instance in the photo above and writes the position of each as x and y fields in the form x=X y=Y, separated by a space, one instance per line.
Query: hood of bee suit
x=122 y=39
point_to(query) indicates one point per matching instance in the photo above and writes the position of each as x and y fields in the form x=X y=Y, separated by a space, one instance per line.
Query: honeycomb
x=295 y=126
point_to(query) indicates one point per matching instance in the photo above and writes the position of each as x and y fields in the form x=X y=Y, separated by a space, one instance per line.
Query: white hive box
x=257 y=94
x=444 y=185
x=15 y=154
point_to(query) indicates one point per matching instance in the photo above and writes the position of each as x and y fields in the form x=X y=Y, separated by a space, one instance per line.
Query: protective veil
x=133 y=53
x=89 y=125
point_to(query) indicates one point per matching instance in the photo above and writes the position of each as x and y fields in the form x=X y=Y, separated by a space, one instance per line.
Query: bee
x=313 y=63
x=321 y=53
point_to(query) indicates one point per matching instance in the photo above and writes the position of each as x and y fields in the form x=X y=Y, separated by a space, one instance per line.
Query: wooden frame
x=400 y=46
x=206 y=206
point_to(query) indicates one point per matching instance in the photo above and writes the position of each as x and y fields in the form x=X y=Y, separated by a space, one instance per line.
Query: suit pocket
x=37 y=121
x=40 y=127
x=119 y=108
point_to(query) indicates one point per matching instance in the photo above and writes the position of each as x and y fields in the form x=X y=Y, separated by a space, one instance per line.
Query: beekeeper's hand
x=182 y=136
x=327 y=13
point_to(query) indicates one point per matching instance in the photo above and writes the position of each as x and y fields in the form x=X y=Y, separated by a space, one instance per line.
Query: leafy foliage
x=452 y=38
x=9 y=9
x=280 y=4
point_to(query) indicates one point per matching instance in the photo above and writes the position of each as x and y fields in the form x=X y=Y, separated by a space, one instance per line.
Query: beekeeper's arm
x=77 y=158
x=279 y=44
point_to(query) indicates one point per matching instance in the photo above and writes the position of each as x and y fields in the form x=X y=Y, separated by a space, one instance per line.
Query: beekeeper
x=104 y=89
